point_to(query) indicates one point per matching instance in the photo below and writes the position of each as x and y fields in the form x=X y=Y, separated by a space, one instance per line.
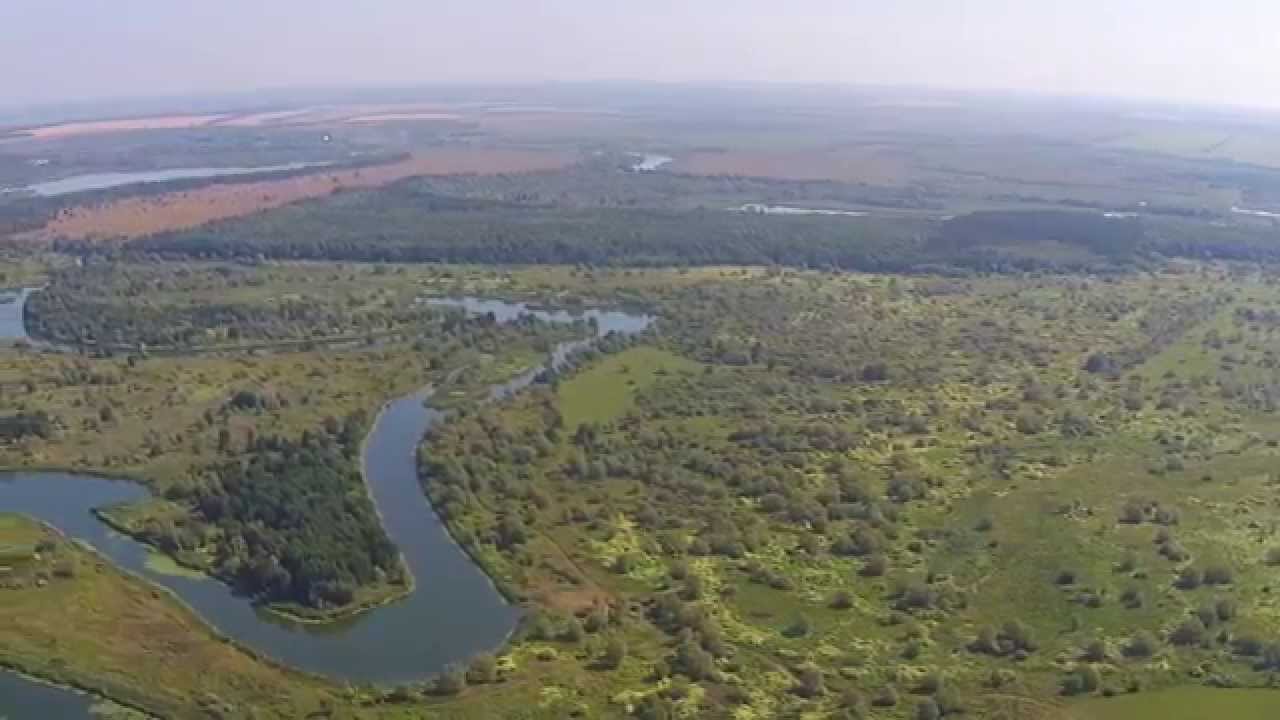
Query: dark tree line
x=406 y=225
x=485 y=222
x=567 y=218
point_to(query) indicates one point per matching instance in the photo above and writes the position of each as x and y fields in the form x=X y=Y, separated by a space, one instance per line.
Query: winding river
x=454 y=611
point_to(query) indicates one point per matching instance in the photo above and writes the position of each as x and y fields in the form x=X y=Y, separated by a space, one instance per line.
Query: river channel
x=453 y=612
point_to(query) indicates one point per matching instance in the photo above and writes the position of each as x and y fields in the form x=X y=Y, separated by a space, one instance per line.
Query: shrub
x=928 y=709
x=1174 y=552
x=809 y=682
x=949 y=701
x=1218 y=575
x=450 y=682
x=1248 y=646
x=887 y=697
x=986 y=642
x=573 y=631
x=483 y=669
x=1142 y=645
x=597 y=620
x=694 y=662
x=799 y=627
x=1013 y=638
x=917 y=596
x=1190 y=632
x=852 y=699
x=875 y=566
x=1030 y=423
x=1017 y=636
x=1189 y=579
x=1082 y=681
x=875 y=372
x=1095 y=651
x=1133 y=513
x=615 y=653
x=1099 y=363
x=1226 y=609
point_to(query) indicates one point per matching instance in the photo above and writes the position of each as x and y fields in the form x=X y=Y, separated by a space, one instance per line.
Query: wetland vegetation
x=992 y=444
x=805 y=492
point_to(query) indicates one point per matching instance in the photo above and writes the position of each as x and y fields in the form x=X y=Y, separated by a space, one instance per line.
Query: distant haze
x=1183 y=50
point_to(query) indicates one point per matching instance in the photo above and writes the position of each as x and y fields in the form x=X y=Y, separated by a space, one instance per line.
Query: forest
x=294 y=524
x=604 y=216
x=415 y=227
x=122 y=307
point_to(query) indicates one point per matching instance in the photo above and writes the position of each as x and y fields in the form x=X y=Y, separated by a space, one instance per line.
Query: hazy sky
x=1221 y=51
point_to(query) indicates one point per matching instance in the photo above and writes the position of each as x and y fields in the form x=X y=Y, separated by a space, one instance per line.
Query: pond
x=103 y=181
x=762 y=209
x=649 y=162
x=12 y=307
x=454 y=611
x=23 y=699
x=1256 y=213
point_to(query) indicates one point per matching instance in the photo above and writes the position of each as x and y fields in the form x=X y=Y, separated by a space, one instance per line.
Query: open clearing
x=140 y=216
x=607 y=390
x=1185 y=703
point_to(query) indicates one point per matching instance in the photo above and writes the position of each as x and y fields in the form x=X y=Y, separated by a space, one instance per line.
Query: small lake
x=604 y=322
x=762 y=209
x=1256 y=213
x=23 y=699
x=103 y=181
x=454 y=611
x=12 y=308
x=649 y=162
x=1192 y=702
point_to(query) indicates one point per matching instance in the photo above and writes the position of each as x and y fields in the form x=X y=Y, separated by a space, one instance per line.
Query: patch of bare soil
x=145 y=215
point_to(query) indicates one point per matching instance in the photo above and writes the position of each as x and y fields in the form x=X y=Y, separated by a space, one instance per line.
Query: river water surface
x=103 y=181
x=454 y=611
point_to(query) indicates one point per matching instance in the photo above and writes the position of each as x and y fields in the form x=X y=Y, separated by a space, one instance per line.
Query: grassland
x=1254 y=146
x=606 y=390
x=1192 y=703
x=70 y=617
x=709 y=517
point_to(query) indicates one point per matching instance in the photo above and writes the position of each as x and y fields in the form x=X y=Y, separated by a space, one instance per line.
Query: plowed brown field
x=139 y=216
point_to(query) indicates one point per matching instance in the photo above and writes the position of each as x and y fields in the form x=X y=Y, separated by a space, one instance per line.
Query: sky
x=1222 y=52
